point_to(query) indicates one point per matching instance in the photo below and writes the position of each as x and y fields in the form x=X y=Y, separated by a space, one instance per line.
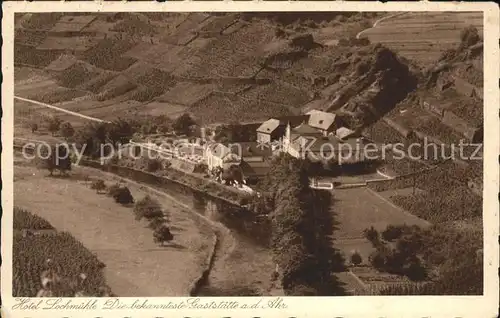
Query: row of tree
x=120 y=131
x=301 y=229
x=53 y=124
x=146 y=208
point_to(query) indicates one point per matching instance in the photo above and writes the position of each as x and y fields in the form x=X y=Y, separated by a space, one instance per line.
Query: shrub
x=392 y=233
x=66 y=130
x=372 y=235
x=153 y=165
x=113 y=190
x=123 y=195
x=356 y=259
x=56 y=159
x=98 y=185
x=279 y=33
x=53 y=124
x=157 y=222
x=415 y=271
x=469 y=36
x=162 y=234
x=147 y=208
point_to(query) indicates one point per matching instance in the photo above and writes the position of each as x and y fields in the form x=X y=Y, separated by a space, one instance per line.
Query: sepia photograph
x=301 y=153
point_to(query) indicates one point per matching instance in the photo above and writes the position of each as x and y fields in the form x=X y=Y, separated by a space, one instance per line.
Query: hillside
x=228 y=67
x=273 y=64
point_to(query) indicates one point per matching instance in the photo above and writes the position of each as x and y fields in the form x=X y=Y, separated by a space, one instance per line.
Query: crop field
x=423 y=36
x=359 y=208
x=70 y=257
x=185 y=93
x=281 y=93
x=445 y=195
x=29 y=37
x=218 y=108
x=157 y=108
x=30 y=56
x=24 y=219
x=63 y=62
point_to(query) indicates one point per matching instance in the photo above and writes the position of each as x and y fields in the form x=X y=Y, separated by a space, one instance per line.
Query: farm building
x=274 y=128
x=220 y=156
x=269 y=131
x=323 y=121
x=252 y=171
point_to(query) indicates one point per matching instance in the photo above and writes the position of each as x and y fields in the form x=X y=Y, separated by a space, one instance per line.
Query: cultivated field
x=135 y=265
x=355 y=210
x=423 y=36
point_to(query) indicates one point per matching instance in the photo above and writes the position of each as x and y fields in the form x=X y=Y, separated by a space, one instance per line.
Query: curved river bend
x=242 y=265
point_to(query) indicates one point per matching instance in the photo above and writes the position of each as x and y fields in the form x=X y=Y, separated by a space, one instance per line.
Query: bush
x=392 y=233
x=98 y=185
x=469 y=36
x=147 y=208
x=153 y=165
x=66 y=130
x=113 y=190
x=53 y=124
x=157 y=222
x=372 y=235
x=162 y=234
x=356 y=259
x=123 y=195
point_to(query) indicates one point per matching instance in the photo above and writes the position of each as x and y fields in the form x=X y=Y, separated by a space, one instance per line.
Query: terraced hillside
x=172 y=63
x=423 y=36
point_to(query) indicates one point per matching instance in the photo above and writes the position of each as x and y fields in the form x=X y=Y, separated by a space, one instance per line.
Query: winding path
x=378 y=21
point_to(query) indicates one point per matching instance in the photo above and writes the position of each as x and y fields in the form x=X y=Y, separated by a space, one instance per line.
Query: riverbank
x=135 y=266
x=240 y=266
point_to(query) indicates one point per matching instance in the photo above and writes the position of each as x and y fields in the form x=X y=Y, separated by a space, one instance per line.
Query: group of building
x=319 y=136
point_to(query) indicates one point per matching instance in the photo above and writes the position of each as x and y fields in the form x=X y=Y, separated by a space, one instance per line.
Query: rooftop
x=321 y=120
x=269 y=126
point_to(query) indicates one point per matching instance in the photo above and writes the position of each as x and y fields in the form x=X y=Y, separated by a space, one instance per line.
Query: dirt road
x=60 y=109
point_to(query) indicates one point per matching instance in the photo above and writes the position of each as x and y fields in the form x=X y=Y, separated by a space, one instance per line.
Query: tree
x=162 y=234
x=372 y=235
x=157 y=222
x=469 y=36
x=182 y=125
x=98 y=185
x=356 y=259
x=56 y=158
x=123 y=196
x=33 y=126
x=66 y=130
x=153 y=165
x=392 y=233
x=147 y=208
x=53 y=124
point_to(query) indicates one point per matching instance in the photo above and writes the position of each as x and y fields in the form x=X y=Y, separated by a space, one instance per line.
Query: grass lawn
x=135 y=266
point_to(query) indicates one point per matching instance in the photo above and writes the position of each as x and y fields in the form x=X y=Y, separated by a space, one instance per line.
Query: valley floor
x=135 y=265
